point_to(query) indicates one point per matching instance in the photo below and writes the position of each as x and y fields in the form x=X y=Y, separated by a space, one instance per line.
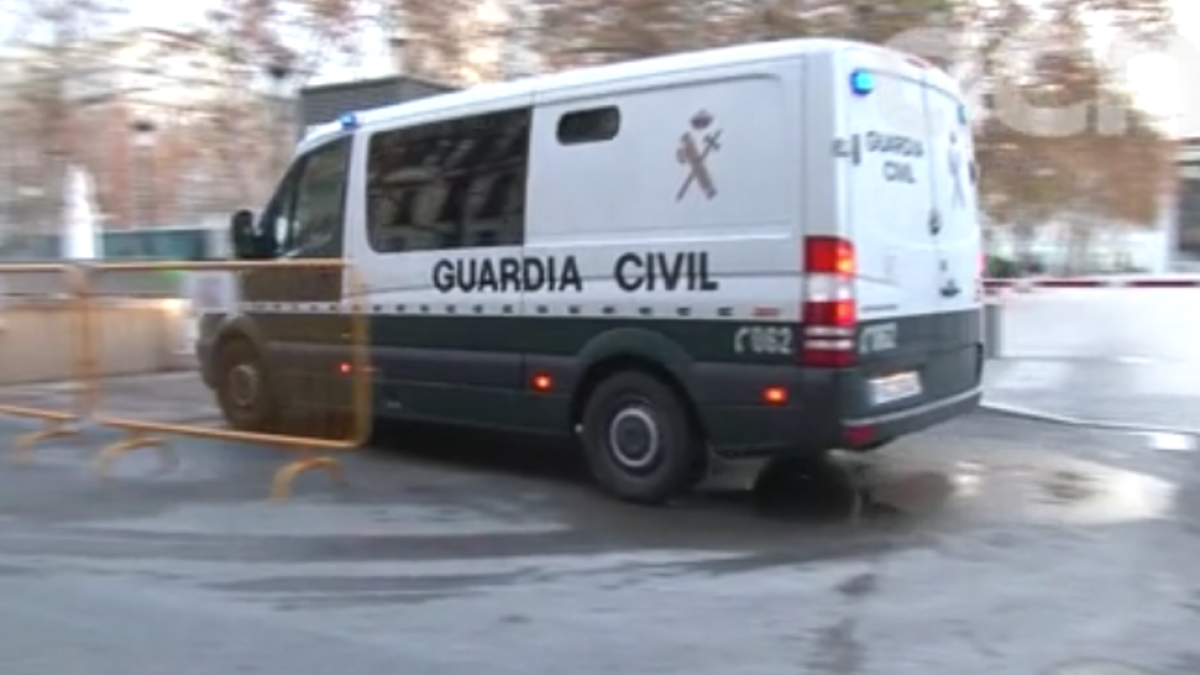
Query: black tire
x=244 y=390
x=639 y=406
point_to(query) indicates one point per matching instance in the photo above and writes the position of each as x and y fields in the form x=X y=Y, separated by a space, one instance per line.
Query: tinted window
x=589 y=126
x=450 y=184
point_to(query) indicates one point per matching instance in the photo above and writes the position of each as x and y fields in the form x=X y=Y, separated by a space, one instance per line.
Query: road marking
x=1192 y=435
x=532 y=566
x=260 y=519
x=1075 y=359
x=1136 y=360
x=1098 y=668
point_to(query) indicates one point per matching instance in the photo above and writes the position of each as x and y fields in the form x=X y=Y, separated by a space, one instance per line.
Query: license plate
x=895 y=388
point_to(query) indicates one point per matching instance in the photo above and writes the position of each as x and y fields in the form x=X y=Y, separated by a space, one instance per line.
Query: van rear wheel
x=639 y=440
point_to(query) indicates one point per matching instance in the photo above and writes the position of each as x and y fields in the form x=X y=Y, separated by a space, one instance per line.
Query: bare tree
x=589 y=32
x=1066 y=141
x=459 y=42
x=579 y=32
x=258 y=52
x=51 y=46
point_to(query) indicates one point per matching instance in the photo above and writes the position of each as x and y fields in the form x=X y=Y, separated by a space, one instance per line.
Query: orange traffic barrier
x=44 y=339
x=286 y=366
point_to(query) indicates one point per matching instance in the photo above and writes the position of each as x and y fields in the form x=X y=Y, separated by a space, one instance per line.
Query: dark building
x=325 y=103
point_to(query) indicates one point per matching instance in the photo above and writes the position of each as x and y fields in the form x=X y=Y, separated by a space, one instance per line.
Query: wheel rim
x=634 y=438
x=243 y=385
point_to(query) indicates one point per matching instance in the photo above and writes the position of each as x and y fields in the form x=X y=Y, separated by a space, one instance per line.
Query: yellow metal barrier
x=292 y=317
x=32 y=319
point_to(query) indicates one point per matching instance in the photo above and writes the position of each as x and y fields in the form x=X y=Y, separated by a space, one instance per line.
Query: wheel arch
x=637 y=349
x=235 y=329
x=231 y=329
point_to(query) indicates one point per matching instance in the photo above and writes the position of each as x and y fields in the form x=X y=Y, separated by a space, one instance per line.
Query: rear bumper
x=825 y=410
x=894 y=425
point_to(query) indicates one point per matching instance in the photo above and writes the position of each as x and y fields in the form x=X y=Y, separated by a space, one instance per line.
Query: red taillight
x=828 y=255
x=833 y=313
x=830 y=312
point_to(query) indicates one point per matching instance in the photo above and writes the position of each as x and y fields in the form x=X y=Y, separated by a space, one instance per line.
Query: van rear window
x=589 y=126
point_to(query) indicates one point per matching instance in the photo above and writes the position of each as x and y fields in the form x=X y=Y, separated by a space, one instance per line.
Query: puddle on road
x=1048 y=490
x=1097 y=494
x=1169 y=442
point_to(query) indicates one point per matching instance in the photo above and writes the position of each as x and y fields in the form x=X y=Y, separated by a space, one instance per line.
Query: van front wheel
x=639 y=441
x=243 y=390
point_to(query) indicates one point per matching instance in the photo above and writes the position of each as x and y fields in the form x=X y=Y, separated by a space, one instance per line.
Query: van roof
x=582 y=77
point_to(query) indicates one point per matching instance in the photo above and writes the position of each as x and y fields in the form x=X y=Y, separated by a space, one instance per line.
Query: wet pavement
x=1121 y=356
x=1159 y=395
x=991 y=545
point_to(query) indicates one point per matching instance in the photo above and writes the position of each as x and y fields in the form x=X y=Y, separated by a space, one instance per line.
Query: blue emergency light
x=862 y=82
x=348 y=121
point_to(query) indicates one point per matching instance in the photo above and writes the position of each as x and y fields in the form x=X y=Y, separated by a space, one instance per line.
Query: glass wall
x=1187 y=242
x=176 y=243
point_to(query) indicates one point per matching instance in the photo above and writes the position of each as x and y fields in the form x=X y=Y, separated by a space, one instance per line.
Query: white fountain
x=81 y=232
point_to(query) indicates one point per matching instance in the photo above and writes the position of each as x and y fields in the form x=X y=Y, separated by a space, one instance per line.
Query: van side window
x=451 y=184
x=307 y=213
x=589 y=126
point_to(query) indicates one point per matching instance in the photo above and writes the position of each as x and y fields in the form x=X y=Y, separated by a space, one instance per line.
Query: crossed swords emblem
x=694 y=148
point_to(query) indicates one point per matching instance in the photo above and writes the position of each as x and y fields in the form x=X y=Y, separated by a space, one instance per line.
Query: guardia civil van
x=761 y=251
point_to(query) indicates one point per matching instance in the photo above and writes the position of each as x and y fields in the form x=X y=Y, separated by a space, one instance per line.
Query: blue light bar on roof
x=862 y=82
x=348 y=121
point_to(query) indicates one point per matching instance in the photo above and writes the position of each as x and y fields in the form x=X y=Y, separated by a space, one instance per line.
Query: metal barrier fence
x=64 y=324
x=133 y=283
x=296 y=341
x=1154 y=281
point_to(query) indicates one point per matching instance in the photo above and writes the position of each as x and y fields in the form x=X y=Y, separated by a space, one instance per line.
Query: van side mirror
x=247 y=243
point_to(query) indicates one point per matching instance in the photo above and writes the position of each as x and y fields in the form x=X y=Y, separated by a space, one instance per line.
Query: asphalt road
x=993 y=546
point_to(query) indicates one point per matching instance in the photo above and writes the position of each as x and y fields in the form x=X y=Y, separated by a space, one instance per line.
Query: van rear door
x=958 y=234
x=911 y=216
x=912 y=205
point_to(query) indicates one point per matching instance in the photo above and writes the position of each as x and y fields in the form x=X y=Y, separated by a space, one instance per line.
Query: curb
x=1021 y=412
